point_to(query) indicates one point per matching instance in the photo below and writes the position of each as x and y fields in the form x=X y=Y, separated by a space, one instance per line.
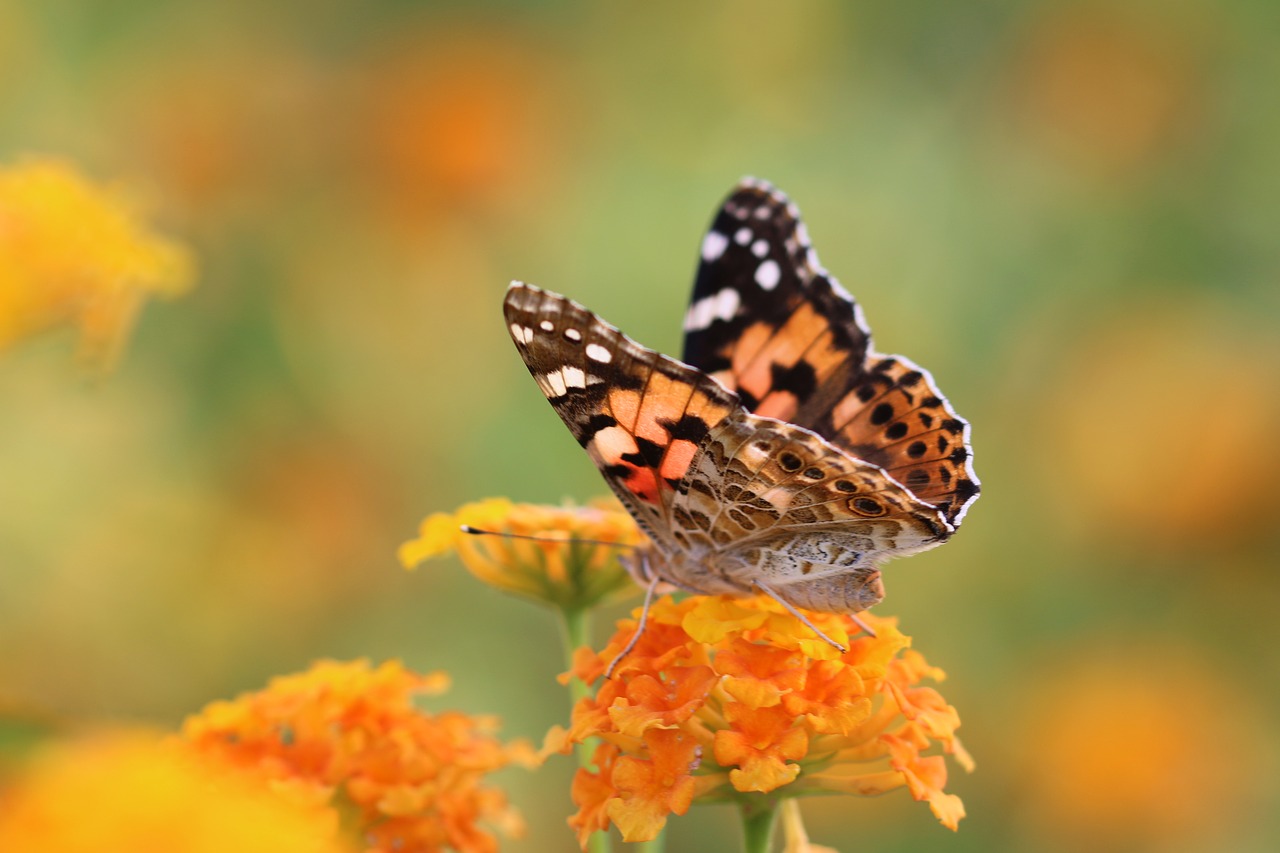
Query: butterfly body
x=779 y=456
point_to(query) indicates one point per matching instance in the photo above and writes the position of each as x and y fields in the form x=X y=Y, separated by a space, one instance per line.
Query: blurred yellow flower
x=735 y=699
x=568 y=571
x=129 y=791
x=349 y=734
x=76 y=253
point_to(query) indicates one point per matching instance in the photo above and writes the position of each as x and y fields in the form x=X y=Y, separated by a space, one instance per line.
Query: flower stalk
x=575 y=623
x=758 y=815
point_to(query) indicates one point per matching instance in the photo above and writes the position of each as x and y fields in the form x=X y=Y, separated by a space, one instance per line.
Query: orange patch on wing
x=710 y=411
x=679 y=455
x=778 y=404
x=824 y=357
x=666 y=399
x=625 y=405
x=845 y=410
x=753 y=339
x=806 y=334
x=642 y=483
x=797 y=335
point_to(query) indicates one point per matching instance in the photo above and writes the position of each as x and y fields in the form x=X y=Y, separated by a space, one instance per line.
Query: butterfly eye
x=866 y=506
x=790 y=462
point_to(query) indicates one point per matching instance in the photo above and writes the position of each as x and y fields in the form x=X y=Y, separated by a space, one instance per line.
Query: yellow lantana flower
x=348 y=734
x=576 y=568
x=76 y=253
x=733 y=699
x=132 y=791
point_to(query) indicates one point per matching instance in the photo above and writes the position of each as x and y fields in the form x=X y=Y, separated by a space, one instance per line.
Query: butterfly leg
x=654 y=580
x=812 y=627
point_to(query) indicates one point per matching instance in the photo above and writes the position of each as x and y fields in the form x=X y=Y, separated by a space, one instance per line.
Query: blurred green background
x=1067 y=211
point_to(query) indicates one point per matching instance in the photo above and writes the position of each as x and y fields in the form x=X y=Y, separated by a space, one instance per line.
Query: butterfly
x=782 y=454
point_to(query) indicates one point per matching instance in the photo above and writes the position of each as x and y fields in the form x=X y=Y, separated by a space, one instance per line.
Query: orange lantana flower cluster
x=730 y=699
x=575 y=568
x=349 y=734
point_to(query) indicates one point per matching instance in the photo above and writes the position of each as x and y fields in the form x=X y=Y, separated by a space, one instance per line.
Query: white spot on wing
x=708 y=309
x=760 y=248
x=573 y=334
x=713 y=245
x=768 y=274
x=742 y=237
x=595 y=352
x=555 y=382
x=574 y=377
x=547 y=326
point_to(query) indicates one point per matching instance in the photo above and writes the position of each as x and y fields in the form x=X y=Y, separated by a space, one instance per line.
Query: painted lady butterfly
x=784 y=455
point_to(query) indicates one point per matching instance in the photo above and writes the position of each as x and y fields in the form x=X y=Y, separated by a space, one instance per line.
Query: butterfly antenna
x=812 y=627
x=644 y=618
x=476 y=531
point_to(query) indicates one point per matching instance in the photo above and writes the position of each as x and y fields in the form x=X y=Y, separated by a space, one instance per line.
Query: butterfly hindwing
x=790 y=505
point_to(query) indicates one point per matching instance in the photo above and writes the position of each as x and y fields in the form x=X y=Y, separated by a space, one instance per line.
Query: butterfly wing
x=639 y=414
x=779 y=504
x=768 y=322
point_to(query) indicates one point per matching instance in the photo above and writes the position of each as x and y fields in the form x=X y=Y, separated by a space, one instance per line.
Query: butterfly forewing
x=639 y=414
x=770 y=323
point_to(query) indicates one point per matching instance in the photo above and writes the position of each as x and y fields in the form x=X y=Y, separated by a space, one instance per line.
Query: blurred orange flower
x=1141 y=471
x=475 y=122
x=573 y=570
x=350 y=732
x=130 y=791
x=76 y=253
x=734 y=699
x=1107 y=90
x=1148 y=750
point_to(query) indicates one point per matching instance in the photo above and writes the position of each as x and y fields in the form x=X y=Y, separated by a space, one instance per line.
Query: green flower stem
x=758 y=816
x=576 y=624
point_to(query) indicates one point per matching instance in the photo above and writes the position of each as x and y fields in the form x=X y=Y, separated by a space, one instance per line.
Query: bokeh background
x=1066 y=210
